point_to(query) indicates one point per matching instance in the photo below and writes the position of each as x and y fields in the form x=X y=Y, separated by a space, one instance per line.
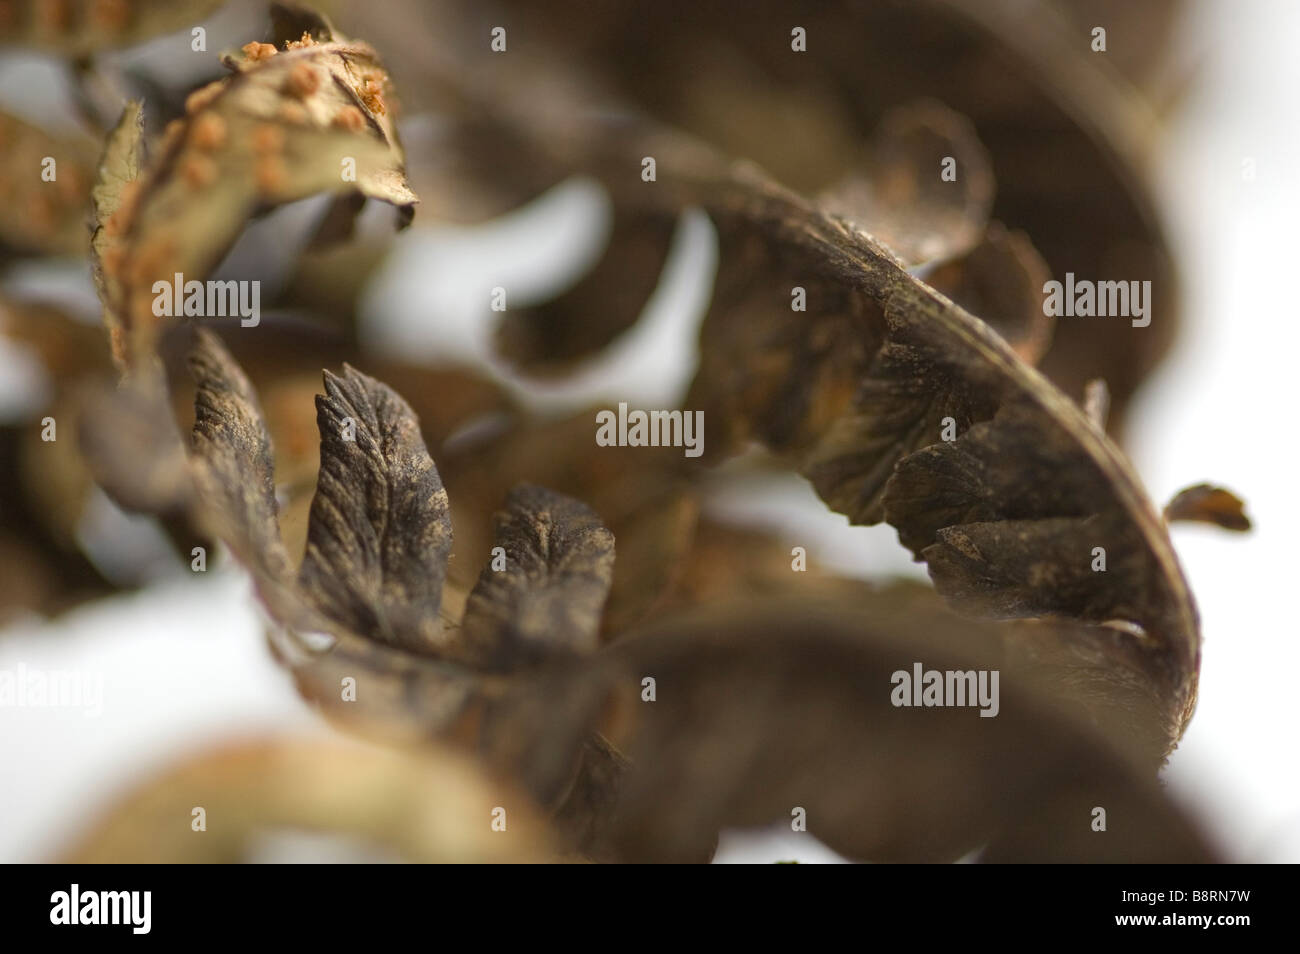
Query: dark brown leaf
x=1205 y=503
x=548 y=597
x=763 y=709
x=380 y=530
x=234 y=462
x=120 y=165
x=39 y=214
x=642 y=494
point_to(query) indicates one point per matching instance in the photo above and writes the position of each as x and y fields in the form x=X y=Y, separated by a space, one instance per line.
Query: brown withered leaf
x=900 y=406
x=880 y=368
x=644 y=496
x=380 y=530
x=233 y=462
x=965 y=506
x=905 y=394
x=220 y=488
x=855 y=393
x=859 y=392
x=558 y=563
x=77 y=28
x=378 y=542
x=39 y=214
x=787 y=692
x=1090 y=671
x=1206 y=503
x=120 y=165
x=283 y=359
x=765 y=708
x=423 y=806
x=288 y=123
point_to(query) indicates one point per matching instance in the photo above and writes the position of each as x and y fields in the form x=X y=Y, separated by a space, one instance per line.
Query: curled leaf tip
x=1206 y=503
